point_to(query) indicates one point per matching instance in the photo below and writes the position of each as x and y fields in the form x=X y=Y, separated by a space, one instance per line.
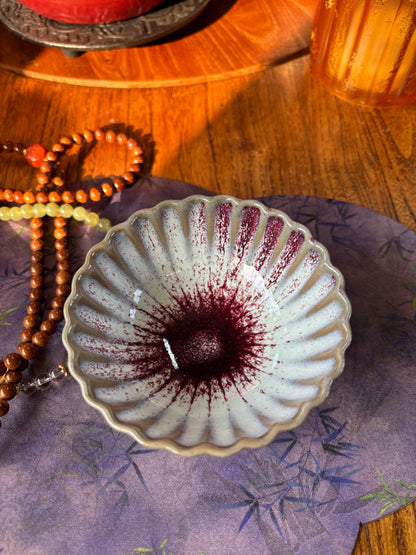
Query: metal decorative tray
x=74 y=39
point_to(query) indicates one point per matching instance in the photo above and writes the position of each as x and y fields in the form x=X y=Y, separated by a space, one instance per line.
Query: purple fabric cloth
x=70 y=484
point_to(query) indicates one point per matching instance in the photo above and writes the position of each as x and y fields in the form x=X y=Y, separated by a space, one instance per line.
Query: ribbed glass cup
x=365 y=50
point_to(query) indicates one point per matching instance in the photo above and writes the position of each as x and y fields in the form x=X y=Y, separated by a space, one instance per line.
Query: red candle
x=91 y=11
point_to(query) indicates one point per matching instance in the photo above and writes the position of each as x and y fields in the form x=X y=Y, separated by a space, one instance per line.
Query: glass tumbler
x=365 y=50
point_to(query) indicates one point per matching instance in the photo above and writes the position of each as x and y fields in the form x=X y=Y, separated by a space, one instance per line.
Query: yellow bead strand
x=51 y=209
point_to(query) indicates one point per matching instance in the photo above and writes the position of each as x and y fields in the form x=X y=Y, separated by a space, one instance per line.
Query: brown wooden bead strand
x=10 y=370
x=49 y=178
x=50 y=183
x=36 y=334
x=49 y=190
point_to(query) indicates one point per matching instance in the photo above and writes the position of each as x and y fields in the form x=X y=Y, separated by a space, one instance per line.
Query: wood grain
x=276 y=131
x=230 y=37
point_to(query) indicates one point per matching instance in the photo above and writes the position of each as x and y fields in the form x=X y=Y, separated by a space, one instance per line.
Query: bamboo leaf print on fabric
x=390 y=497
x=4 y=314
x=411 y=287
x=102 y=462
x=307 y=473
x=396 y=244
x=337 y=220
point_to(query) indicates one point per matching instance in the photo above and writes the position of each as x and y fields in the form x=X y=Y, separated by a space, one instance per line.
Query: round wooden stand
x=229 y=38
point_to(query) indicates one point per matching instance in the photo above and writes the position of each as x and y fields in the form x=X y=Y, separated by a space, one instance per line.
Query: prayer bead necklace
x=51 y=199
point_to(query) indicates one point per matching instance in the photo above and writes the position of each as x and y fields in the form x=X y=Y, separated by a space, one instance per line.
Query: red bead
x=37 y=233
x=42 y=179
x=54 y=196
x=59 y=232
x=35 y=154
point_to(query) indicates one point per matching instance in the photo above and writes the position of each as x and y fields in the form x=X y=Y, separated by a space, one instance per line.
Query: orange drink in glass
x=365 y=50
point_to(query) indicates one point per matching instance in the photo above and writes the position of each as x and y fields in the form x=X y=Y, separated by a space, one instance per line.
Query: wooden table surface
x=264 y=126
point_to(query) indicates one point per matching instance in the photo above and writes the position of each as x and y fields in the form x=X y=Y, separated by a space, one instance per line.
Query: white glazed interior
x=238 y=266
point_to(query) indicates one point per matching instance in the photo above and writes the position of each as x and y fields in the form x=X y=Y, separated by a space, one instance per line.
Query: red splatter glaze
x=217 y=347
x=211 y=341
